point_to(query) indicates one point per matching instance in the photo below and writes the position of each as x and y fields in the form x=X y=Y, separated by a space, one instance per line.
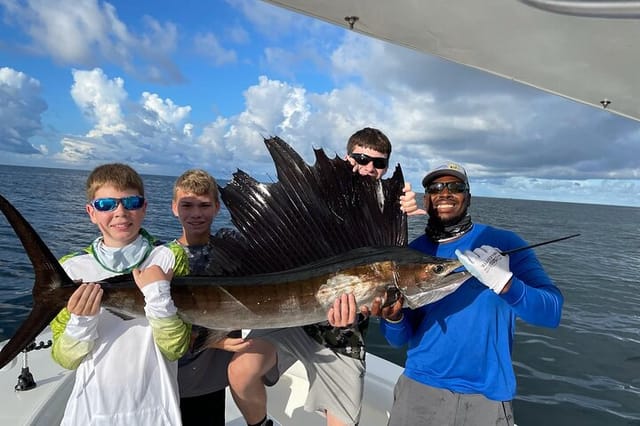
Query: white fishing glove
x=489 y=266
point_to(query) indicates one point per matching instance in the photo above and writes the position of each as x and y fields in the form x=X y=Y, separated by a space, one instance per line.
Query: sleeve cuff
x=515 y=293
x=158 y=301
x=82 y=328
x=398 y=321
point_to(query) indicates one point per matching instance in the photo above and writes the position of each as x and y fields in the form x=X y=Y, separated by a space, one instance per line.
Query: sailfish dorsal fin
x=310 y=213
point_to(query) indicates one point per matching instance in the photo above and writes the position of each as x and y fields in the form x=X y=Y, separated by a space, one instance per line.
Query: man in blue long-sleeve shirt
x=459 y=369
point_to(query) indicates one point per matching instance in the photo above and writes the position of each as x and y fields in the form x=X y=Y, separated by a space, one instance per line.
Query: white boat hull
x=44 y=405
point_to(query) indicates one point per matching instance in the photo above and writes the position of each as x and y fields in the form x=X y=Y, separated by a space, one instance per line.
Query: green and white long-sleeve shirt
x=126 y=371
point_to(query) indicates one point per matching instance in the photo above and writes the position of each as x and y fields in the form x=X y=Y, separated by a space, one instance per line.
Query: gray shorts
x=336 y=381
x=417 y=404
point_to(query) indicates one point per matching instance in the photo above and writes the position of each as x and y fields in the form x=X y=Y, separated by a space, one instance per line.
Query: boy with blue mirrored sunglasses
x=93 y=341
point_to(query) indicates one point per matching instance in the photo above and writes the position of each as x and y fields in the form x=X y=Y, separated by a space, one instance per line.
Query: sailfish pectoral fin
x=392 y=295
x=230 y=298
x=204 y=338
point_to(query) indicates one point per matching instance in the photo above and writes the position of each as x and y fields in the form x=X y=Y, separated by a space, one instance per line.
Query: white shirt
x=125 y=379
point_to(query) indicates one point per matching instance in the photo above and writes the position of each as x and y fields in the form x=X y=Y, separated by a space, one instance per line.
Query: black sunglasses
x=453 y=187
x=364 y=159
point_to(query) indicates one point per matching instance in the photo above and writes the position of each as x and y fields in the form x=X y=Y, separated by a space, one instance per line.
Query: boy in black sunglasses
x=459 y=348
x=368 y=151
x=126 y=371
x=334 y=351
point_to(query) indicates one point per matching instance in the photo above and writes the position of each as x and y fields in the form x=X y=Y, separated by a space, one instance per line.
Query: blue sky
x=166 y=85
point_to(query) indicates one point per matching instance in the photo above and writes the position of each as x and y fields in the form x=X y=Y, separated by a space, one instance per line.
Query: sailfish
x=317 y=232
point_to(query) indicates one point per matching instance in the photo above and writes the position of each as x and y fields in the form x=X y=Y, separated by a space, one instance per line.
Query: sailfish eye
x=438 y=269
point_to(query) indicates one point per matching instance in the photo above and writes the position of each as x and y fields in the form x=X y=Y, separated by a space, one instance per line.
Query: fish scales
x=297 y=298
x=301 y=252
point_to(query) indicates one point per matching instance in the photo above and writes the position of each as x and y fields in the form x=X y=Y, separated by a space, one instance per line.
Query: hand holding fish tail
x=391 y=313
x=85 y=301
x=408 y=202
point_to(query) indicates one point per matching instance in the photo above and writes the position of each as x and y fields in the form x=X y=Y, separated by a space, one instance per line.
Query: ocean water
x=586 y=372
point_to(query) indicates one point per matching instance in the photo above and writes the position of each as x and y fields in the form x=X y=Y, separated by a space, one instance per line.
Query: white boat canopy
x=588 y=51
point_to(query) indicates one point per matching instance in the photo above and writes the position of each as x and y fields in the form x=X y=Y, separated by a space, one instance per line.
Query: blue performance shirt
x=463 y=342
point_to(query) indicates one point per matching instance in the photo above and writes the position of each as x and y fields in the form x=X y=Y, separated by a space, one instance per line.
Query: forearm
x=397 y=332
x=531 y=293
x=172 y=336
x=170 y=333
x=73 y=338
x=538 y=305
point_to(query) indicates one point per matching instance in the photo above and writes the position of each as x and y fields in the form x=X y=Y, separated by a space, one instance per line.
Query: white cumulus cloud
x=87 y=33
x=21 y=108
x=150 y=131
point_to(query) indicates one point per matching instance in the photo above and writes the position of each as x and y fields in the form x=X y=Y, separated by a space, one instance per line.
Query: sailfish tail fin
x=51 y=289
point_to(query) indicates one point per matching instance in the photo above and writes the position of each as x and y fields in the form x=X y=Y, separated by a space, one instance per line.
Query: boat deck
x=44 y=405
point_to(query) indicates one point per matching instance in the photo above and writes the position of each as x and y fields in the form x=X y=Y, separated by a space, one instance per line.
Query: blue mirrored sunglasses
x=132 y=202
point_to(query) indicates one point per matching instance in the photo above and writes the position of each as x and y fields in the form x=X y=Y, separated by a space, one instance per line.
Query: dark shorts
x=417 y=404
x=204 y=410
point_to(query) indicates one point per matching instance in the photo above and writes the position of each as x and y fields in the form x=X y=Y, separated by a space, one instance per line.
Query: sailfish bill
x=316 y=233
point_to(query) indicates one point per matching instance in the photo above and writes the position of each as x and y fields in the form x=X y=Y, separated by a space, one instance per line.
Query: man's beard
x=451 y=221
x=439 y=231
x=442 y=229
